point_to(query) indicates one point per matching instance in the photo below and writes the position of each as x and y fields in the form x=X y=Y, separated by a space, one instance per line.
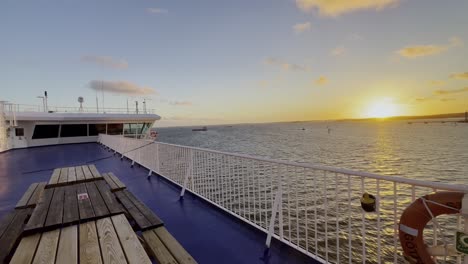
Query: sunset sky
x=209 y=62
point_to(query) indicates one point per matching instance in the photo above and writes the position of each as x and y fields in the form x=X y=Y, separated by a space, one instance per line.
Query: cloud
x=447 y=99
x=338 y=51
x=422 y=99
x=415 y=51
x=286 y=65
x=437 y=83
x=105 y=61
x=180 y=103
x=120 y=87
x=460 y=76
x=299 y=28
x=322 y=80
x=462 y=90
x=335 y=8
x=153 y=10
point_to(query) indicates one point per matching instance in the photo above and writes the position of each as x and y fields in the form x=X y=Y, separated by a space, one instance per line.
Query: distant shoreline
x=439 y=116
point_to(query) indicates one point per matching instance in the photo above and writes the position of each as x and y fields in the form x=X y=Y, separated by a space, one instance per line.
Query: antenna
x=81 y=100
x=144 y=104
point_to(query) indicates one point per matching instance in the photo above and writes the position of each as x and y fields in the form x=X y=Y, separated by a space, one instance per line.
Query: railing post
x=157 y=158
x=188 y=173
x=274 y=211
x=464 y=212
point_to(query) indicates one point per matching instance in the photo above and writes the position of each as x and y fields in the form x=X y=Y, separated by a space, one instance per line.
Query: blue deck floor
x=211 y=236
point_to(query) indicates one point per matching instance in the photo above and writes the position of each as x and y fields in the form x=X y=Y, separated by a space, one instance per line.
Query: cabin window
x=19 y=132
x=45 y=131
x=114 y=129
x=96 y=129
x=75 y=130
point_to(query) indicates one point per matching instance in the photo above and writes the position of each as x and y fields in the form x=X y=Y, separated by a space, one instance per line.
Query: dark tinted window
x=114 y=129
x=74 y=130
x=19 y=132
x=96 y=129
x=45 y=131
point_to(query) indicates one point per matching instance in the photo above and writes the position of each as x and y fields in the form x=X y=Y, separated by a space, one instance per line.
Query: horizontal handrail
x=399 y=179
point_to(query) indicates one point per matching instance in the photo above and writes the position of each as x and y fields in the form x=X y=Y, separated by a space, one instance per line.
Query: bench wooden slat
x=55 y=214
x=63 y=176
x=116 y=180
x=89 y=244
x=26 y=249
x=71 y=174
x=139 y=218
x=79 y=174
x=11 y=235
x=47 y=248
x=87 y=172
x=84 y=206
x=55 y=177
x=68 y=246
x=110 y=182
x=23 y=202
x=154 y=220
x=6 y=220
x=158 y=250
x=99 y=206
x=110 y=246
x=131 y=245
x=39 y=214
x=110 y=200
x=94 y=171
x=70 y=208
x=179 y=253
x=37 y=194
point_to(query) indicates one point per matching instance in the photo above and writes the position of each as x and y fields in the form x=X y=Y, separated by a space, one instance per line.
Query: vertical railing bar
x=434 y=226
x=305 y=211
x=289 y=204
x=350 y=237
x=230 y=183
x=236 y=172
x=280 y=218
x=248 y=190
x=246 y=216
x=326 y=214
x=297 y=206
x=459 y=257
x=363 y=219
x=379 y=242
x=254 y=196
x=315 y=214
x=395 y=225
x=337 y=220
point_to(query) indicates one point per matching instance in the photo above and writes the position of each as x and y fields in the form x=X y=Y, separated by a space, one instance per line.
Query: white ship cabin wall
x=33 y=134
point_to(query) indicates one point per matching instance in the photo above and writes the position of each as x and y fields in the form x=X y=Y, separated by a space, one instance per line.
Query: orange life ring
x=416 y=216
x=153 y=134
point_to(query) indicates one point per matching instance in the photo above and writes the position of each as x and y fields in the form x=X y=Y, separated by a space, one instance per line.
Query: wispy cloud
x=436 y=83
x=460 y=76
x=299 y=28
x=322 y=80
x=180 y=103
x=421 y=99
x=455 y=91
x=447 y=99
x=105 y=61
x=286 y=65
x=337 y=7
x=338 y=51
x=415 y=51
x=154 y=10
x=120 y=87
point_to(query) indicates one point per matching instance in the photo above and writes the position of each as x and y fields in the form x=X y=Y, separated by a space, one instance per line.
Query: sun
x=382 y=108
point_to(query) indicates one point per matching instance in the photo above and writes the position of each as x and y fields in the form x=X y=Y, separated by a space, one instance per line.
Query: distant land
x=461 y=116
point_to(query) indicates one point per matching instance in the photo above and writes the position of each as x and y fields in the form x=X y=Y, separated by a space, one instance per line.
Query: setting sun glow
x=381 y=109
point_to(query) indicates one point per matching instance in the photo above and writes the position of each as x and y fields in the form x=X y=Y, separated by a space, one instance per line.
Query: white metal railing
x=314 y=209
x=65 y=109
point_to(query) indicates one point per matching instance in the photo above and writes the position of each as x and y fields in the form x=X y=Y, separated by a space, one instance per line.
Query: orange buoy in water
x=417 y=215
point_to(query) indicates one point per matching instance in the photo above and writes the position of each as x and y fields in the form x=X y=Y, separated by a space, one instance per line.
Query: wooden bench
x=72 y=175
x=11 y=228
x=107 y=240
x=71 y=204
x=114 y=182
x=138 y=211
x=165 y=248
x=31 y=196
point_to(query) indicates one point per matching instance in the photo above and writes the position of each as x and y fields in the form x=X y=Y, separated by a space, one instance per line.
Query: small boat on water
x=200 y=129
